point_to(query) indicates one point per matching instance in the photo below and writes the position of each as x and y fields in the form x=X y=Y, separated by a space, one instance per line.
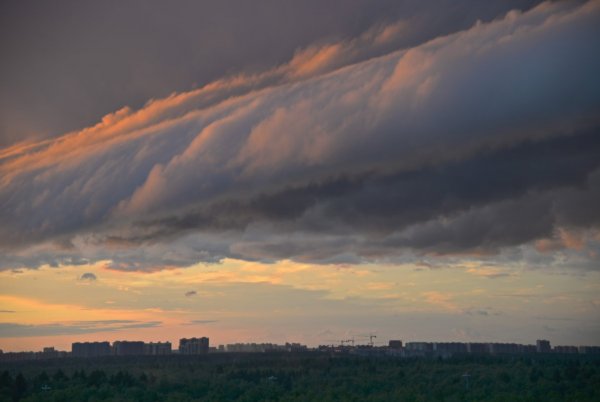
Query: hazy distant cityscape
x=394 y=348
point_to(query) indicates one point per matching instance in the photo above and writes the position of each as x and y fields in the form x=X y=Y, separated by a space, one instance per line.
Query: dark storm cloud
x=470 y=143
x=381 y=203
x=67 y=64
x=11 y=330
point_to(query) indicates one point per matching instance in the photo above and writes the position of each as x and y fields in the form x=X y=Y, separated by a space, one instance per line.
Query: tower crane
x=371 y=339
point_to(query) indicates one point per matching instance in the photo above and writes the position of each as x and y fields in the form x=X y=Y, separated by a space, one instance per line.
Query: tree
x=59 y=376
x=96 y=378
x=6 y=380
x=20 y=387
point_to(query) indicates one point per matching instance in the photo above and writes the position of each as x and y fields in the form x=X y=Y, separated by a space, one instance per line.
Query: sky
x=286 y=171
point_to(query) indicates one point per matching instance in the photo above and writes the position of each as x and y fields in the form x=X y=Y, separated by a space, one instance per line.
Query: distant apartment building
x=589 y=350
x=566 y=349
x=504 y=348
x=90 y=349
x=478 y=348
x=395 y=344
x=128 y=348
x=157 y=348
x=295 y=347
x=250 y=347
x=193 y=346
x=449 y=348
x=543 y=346
x=264 y=347
x=50 y=352
x=418 y=348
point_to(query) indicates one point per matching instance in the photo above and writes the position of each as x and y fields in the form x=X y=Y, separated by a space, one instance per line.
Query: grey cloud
x=485 y=312
x=10 y=330
x=201 y=322
x=88 y=276
x=487 y=203
x=48 y=254
x=191 y=293
x=382 y=203
x=555 y=318
x=462 y=144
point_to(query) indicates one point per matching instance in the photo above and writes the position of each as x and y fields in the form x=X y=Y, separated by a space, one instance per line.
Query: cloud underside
x=475 y=142
x=12 y=330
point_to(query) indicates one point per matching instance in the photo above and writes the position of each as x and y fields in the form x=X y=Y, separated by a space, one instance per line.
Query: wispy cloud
x=441 y=299
x=491 y=273
x=484 y=312
x=10 y=330
x=201 y=322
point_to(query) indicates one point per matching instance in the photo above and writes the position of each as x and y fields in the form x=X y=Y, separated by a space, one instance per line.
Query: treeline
x=303 y=377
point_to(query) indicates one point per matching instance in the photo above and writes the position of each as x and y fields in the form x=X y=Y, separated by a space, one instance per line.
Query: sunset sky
x=299 y=171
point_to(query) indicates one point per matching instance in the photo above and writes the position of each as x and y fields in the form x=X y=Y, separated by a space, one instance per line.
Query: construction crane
x=371 y=339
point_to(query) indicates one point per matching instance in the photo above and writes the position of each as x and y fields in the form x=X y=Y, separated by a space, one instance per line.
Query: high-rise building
x=193 y=346
x=543 y=346
x=49 y=352
x=449 y=348
x=90 y=349
x=419 y=346
x=478 y=348
x=395 y=344
x=157 y=348
x=504 y=348
x=589 y=350
x=128 y=348
x=566 y=349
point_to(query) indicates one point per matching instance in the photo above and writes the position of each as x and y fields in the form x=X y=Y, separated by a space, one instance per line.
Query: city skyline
x=299 y=171
x=392 y=347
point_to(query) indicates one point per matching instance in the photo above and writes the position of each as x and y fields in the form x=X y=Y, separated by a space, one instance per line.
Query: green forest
x=302 y=377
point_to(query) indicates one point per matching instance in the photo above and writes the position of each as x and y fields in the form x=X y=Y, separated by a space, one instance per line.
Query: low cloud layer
x=475 y=142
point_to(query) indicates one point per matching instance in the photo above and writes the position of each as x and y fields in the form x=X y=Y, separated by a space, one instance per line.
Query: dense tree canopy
x=303 y=377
